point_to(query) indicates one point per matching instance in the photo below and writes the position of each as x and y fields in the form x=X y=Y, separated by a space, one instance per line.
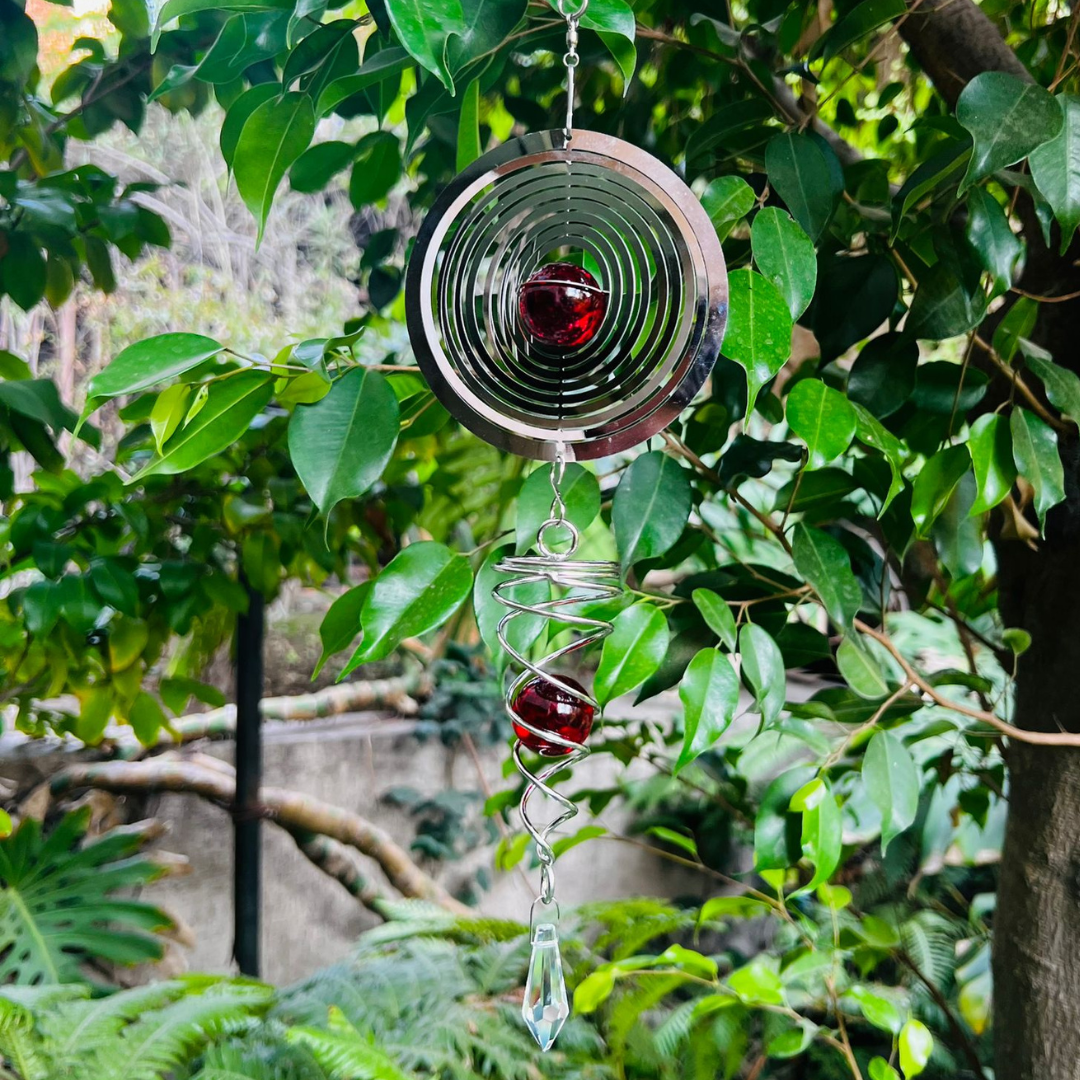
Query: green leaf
x=998 y=248
x=485 y=25
x=1035 y=451
x=423 y=28
x=239 y=113
x=341 y=623
x=650 y=508
x=757 y=983
x=892 y=780
x=763 y=669
x=717 y=615
x=709 y=693
x=581 y=495
x=860 y=670
x=883 y=375
x=785 y=255
x=943 y=307
x=231 y=405
x=523 y=630
x=419 y=590
x=749 y=457
x=274 y=136
x=823 y=562
x=340 y=445
x=727 y=200
x=856 y=24
x=1062 y=385
x=931 y=174
x=385 y=64
x=59 y=908
x=150 y=361
x=610 y=18
x=880 y=1069
x=175 y=9
x=822 y=830
x=874 y=434
x=823 y=418
x=22 y=270
x=317 y=165
x=594 y=990
x=1008 y=118
x=915 y=1044
x=377 y=168
x=726 y=122
x=990 y=446
x=934 y=486
x=801 y=175
x=631 y=652
x=759 y=328
x=169 y=409
x=468 y=141
x=115 y=585
x=878 y=1010
x=1018 y=323
x=147 y=718
x=1055 y=168
x=777 y=829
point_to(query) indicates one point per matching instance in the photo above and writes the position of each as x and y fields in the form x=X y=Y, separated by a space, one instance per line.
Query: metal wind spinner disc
x=653 y=251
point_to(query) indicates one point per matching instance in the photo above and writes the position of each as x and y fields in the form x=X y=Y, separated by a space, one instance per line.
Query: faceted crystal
x=547 y=707
x=546 y=1006
x=562 y=305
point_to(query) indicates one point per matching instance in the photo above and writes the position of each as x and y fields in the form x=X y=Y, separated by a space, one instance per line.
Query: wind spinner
x=566 y=299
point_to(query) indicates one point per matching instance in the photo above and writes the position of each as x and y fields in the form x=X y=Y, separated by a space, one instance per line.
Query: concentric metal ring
x=646 y=238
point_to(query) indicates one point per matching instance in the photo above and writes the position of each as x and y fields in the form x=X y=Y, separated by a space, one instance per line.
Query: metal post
x=247 y=885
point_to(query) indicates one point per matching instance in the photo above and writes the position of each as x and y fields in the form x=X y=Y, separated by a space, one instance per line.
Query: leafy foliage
x=838 y=508
x=58 y=903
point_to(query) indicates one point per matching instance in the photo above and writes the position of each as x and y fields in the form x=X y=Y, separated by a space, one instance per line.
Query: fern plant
x=148 y=1033
x=58 y=903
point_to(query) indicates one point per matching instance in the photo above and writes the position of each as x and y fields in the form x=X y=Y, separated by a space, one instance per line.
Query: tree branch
x=953 y=41
x=291 y=810
x=1034 y=738
x=398 y=693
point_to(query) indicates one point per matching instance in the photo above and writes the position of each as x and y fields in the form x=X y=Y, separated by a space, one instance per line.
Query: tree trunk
x=1036 y=956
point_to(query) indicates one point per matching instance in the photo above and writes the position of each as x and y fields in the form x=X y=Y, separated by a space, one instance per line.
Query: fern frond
x=346 y=1055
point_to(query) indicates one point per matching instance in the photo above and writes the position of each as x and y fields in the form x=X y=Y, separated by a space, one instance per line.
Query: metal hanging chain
x=570 y=57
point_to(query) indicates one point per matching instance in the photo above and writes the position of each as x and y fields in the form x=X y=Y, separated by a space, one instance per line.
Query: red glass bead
x=562 y=305
x=548 y=707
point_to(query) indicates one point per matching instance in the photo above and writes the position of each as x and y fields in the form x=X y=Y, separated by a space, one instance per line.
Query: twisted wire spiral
x=574 y=584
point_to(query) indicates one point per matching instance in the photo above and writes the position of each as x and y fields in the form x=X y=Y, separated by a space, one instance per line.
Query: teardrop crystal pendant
x=546 y=1007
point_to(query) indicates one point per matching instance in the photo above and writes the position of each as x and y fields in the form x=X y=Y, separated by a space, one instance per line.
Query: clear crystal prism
x=546 y=1007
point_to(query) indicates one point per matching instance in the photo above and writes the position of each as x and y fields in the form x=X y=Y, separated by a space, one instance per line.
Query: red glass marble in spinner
x=562 y=305
x=547 y=707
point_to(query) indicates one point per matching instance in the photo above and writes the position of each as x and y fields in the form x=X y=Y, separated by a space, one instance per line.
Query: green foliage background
x=883 y=411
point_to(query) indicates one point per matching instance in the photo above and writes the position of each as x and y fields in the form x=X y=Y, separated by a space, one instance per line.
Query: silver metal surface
x=642 y=233
x=573 y=586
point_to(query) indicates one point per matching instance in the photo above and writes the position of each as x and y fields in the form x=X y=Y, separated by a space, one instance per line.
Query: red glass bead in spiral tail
x=547 y=707
x=562 y=306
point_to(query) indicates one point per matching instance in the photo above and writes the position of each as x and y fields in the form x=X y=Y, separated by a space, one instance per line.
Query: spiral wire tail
x=574 y=586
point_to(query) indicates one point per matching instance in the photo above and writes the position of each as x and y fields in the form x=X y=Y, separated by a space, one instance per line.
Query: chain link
x=570 y=57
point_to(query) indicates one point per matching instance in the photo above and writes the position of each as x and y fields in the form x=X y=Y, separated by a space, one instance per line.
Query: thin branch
x=395 y=693
x=1023 y=388
x=291 y=810
x=1033 y=738
x=710 y=474
x=959 y=1034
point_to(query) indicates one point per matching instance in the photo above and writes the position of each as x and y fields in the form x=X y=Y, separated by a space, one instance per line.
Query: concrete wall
x=309 y=920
